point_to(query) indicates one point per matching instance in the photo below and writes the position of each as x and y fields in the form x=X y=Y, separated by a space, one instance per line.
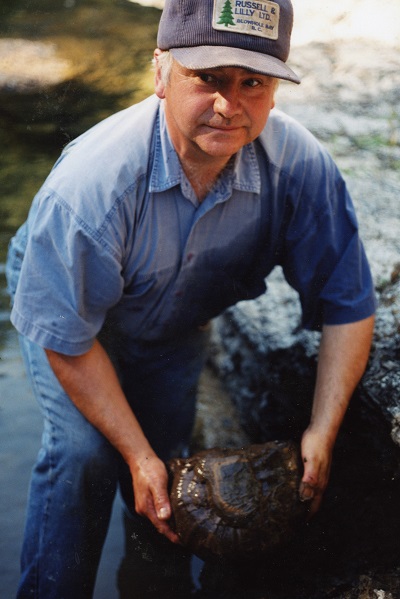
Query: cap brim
x=211 y=57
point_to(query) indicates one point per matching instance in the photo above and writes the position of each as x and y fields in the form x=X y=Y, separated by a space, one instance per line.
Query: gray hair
x=165 y=61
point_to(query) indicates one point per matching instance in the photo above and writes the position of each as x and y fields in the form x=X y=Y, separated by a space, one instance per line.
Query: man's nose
x=227 y=102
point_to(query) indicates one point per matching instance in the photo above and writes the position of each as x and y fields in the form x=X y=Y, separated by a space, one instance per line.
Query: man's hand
x=150 y=480
x=316 y=456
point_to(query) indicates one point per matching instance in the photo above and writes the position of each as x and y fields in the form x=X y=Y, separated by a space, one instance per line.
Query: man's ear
x=159 y=86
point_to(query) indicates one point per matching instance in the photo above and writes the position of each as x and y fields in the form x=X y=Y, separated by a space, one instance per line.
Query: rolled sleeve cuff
x=345 y=314
x=46 y=340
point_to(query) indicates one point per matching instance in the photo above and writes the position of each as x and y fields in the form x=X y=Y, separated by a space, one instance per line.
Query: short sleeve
x=70 y=277
x=324 y=258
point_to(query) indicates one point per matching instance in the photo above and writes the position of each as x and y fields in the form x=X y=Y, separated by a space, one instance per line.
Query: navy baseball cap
x=206 y=34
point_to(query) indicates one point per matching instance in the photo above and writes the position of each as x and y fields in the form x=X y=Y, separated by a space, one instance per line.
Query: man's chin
x=221 y=145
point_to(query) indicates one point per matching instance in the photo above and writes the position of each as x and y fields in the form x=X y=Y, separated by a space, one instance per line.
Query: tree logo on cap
x=260 y=18
x=226 y=16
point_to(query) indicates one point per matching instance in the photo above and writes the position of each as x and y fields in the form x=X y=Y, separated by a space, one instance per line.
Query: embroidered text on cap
x=251 y=18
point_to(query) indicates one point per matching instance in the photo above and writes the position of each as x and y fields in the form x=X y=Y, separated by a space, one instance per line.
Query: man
x=148 y=226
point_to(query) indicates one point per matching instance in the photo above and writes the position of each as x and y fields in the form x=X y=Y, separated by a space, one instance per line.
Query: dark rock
x=268 y=365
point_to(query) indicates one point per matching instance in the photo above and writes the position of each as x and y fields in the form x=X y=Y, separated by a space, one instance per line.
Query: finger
x=315 y=505
x=163 y=527
x=309 y=482
x=312 y=497
x=159 y=514
x=162 y=506
x=309 y=487
x=150 y=491
x=307 y=491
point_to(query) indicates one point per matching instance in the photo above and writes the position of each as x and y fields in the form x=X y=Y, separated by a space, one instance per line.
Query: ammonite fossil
x=235 y=503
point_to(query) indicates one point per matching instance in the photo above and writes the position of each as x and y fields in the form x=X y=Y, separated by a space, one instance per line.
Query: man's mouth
x=225 y=127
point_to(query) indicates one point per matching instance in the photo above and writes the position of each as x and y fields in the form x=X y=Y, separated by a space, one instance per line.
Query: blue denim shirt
x=117 y=235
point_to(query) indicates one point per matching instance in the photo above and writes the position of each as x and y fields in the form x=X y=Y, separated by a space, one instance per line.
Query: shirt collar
x=243 y=174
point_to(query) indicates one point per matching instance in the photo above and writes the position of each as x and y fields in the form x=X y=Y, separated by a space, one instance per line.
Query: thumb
x=162 y=506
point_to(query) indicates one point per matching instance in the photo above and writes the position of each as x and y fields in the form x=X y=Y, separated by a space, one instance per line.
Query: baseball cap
x=206 y=34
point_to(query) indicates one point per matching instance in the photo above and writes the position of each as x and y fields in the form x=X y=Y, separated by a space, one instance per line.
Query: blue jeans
x=77 y=471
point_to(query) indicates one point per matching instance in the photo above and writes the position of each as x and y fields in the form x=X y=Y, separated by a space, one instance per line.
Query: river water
x=23 y=165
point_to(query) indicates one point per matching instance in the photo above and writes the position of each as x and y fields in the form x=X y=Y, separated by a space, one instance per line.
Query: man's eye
x=207 y=78
x=252 y=82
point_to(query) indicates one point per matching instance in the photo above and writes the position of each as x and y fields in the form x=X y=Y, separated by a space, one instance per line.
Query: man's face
x=213 y=113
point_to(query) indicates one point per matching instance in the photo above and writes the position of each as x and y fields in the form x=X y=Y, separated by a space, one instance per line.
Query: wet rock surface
x=27 y=66
x=357 y=529
x=237 y=503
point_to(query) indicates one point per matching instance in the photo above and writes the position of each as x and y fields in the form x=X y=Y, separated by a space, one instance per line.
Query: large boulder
x=268 y=365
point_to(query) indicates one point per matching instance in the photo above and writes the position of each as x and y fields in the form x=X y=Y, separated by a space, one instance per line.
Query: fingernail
x=163 y=513
x=307 y=494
